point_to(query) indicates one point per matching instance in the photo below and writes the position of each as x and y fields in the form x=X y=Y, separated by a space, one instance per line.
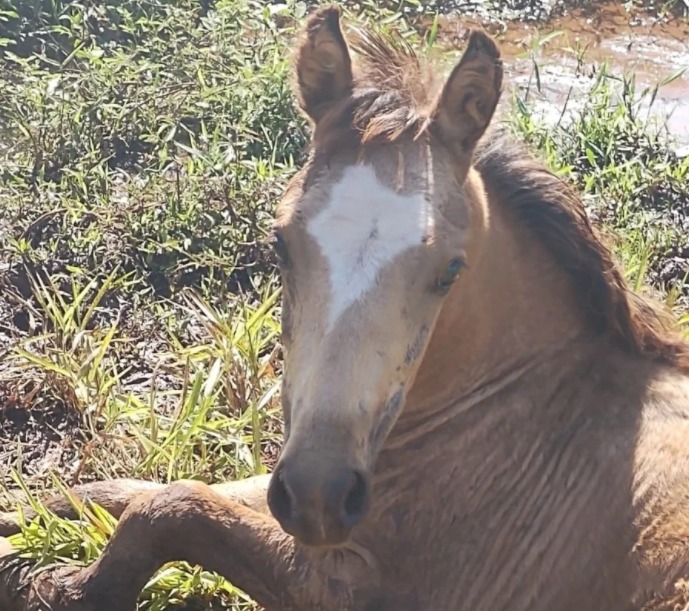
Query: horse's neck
x=510 y=342
x=512 y=306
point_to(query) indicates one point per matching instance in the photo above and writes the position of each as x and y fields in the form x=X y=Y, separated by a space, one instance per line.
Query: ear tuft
x=470 y=95
x=323 y=63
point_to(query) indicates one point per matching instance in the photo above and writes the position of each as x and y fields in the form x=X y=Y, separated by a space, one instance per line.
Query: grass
x=143 y=144
x=622 y=159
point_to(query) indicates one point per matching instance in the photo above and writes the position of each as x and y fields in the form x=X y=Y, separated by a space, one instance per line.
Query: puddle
x=568 y=48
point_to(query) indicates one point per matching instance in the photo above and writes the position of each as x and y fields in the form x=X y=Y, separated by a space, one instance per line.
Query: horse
x=480 y=414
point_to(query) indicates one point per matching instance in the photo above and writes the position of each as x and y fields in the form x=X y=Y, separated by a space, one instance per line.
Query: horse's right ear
x=323 y=64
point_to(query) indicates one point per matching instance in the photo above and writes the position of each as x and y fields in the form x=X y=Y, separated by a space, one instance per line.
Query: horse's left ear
x=468 y=99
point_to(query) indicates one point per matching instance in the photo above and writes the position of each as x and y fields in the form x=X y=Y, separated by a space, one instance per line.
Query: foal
x=479 y=415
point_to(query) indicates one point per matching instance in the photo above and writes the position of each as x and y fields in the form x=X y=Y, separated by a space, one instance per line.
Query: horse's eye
x=280 y=247
x=449 y=274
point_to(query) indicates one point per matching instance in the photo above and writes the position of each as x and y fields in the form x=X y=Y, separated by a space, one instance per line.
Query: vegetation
x=143 y=144
x=635 y=184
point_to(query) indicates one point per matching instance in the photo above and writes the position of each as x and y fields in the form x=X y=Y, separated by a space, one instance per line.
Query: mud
x=38 y=439
x=569 y=48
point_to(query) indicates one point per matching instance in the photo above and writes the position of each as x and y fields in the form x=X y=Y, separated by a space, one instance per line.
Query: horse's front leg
x=116 y=495
x=189 y=521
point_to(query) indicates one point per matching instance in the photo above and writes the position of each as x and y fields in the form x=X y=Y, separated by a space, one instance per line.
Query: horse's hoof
x=24 y=589
x=14 y=579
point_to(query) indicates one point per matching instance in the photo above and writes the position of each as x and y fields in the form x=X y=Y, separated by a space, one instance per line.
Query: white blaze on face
x=364 y=226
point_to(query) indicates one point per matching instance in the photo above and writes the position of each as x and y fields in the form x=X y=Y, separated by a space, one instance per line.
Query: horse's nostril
x=356 y=500
x=279 y=499
x=318 y=503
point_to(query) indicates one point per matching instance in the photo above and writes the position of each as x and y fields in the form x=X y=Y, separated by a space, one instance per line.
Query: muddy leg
x=21 y=590
x=190 y=521
x=116 y=495
x=13 y=575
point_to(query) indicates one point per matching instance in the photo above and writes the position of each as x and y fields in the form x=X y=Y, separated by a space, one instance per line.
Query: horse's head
x=371 y=235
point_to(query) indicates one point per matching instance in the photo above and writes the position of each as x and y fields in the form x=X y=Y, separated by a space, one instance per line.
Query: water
x=569 y=46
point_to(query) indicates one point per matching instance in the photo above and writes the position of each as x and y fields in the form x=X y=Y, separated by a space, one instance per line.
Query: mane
x=393 y=92
x=556 y=215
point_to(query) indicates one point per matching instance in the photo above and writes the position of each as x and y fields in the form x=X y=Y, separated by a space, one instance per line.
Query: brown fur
x=541 y=457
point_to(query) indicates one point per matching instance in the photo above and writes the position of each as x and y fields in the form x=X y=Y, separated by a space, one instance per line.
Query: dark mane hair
x=556 y=215
x=393 y=93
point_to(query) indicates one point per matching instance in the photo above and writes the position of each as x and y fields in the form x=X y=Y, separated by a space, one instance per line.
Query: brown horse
x=479 y=413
